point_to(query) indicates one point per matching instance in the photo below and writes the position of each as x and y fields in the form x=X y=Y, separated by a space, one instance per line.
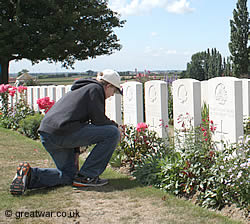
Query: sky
x=158 y=35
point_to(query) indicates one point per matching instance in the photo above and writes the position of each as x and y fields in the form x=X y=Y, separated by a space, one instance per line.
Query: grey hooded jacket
x=84 y=104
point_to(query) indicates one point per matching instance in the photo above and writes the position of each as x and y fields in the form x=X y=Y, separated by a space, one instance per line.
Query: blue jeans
x=61 y=149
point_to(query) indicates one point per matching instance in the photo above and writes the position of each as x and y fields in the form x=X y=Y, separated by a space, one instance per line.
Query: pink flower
x=206 y=139
x=205 y=134
x=21 y=89
x=141 y=127
x=4 y=88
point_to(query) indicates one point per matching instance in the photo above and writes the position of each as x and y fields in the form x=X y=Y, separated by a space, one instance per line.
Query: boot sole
x=18 y=185
x=79 y=184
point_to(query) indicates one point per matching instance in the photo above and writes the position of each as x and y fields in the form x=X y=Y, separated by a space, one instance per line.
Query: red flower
x=203 y=129
x=12 y=92
x=45 y=103
x=206 y=139
x=205 y=134
x=211 y=153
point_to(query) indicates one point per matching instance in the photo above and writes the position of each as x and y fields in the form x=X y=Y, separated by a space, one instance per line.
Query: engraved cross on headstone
x=222 y=133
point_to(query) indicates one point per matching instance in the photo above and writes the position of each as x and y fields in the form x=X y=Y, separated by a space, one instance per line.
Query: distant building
x=24 y=78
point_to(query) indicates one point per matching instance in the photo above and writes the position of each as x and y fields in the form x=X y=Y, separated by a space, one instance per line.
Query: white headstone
x=52 y=92
x=204 y=92
x=186 y=103
x=246 y=97
x=132 y=103
x=43 y=91
x=11 y=100
x=30 y=96
x=68 y=88
x=225 y=108
x=156 y=106
x=36 y=96
x=60 y=92
x=113 y=108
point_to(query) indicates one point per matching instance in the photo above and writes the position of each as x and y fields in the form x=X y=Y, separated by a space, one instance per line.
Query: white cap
x=111 y=77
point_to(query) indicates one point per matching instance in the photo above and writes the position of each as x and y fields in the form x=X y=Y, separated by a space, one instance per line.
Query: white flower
x=244 y=165
x=239 y=175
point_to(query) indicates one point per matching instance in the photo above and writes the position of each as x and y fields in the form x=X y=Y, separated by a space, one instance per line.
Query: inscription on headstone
x=225 y=109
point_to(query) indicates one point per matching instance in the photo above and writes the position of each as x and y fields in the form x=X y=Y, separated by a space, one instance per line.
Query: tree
x=205 y=65
x=195 y=69
x=240 y=52
x=56 y=31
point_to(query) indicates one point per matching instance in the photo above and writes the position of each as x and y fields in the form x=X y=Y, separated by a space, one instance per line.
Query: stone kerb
x=132 y=103
x=156 y=106
x=113 y=108
x=226 y=109
x=246 y=97
x=186 y=102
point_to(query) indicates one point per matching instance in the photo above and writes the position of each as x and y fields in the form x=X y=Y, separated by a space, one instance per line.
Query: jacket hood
x=83 y=82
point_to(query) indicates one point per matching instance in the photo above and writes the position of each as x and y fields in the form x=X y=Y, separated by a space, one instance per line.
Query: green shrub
x=190 y=165
x=30 y=125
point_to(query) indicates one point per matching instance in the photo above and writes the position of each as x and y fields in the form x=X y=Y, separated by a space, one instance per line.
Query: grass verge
x=122 y=201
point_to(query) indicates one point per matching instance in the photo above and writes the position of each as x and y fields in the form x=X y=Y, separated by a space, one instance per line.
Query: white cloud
x=154 y=34
x=180 y=7
x=139 y=7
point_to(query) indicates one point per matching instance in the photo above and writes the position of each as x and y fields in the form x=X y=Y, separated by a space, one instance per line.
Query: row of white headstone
x=228 y=99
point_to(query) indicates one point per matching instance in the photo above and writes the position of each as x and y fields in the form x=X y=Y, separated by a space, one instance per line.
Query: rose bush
x=14 y=107
x=136 y=144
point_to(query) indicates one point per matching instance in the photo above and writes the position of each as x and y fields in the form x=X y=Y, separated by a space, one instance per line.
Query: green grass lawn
x=122 y=201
